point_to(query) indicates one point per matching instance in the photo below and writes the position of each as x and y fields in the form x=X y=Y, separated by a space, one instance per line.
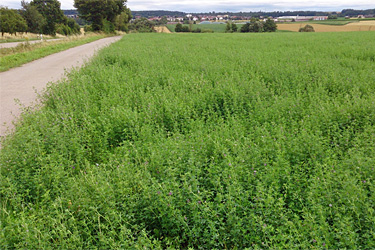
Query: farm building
x=302 y=18
x=320 y=18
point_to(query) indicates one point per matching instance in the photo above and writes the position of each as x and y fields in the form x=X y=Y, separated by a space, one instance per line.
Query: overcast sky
x=232 y=6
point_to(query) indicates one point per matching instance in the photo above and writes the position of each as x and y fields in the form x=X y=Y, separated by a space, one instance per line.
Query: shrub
x=108 y=27
x=63 y=29
x=228 y=28
x=87 y=28
x=178 y=27
x=142 y=25
x=234 y=27
x=270 y=25
x=185 y=29
x=307 y=28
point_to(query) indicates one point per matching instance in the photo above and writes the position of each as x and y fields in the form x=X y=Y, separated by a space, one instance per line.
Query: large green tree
x=51 y=11
x=100 y=11
x=11 y=21
x=35 y=20
x=122 y=20
x=270 y=25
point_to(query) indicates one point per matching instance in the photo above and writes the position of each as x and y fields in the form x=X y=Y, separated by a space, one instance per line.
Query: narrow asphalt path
x=22 y=83
x=15 y=44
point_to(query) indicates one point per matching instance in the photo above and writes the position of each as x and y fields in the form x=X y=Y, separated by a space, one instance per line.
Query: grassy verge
x=21 y=37
x=17 y=40
x=228 y=141
x=24 y=53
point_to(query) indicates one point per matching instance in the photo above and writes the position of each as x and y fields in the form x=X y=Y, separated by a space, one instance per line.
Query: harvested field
x=360 y=26
x=162 y=29
x=363 y=23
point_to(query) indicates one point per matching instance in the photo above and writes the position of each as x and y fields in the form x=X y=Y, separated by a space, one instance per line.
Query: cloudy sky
x=234 y=5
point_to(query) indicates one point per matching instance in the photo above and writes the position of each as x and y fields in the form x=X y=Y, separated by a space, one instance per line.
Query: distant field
x=319 y=26
x=363 y=23
x=332 y=22
x=209 y=141
x=357 y=26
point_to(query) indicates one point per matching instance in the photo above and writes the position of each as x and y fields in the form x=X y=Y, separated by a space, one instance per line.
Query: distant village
x=224 y=18
x=173 y=17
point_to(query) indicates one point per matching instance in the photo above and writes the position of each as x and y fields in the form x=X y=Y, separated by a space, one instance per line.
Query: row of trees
x=11 y=22
x=183 y=28
x=255 y=25
x=38 y=16
x=351 y=12
x=46 y=17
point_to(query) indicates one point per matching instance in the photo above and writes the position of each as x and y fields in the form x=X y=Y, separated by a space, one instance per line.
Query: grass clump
x=168 y=141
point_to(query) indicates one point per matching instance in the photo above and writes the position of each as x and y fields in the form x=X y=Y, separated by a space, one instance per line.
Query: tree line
x=37 y=16
x=257 y=26
x=352 y=12
x=254 y=25
x=46 y=17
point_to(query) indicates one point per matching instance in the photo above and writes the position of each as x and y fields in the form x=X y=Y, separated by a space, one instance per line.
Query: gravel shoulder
x=19 y=86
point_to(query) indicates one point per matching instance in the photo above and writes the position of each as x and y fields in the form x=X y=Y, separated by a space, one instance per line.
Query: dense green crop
x=265 y=141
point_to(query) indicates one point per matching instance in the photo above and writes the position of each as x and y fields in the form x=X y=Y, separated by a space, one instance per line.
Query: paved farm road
x=20 y=83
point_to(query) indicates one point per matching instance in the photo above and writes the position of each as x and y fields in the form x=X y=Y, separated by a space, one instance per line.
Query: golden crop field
x=363 y=23
x=162 y=29
x=359 y=26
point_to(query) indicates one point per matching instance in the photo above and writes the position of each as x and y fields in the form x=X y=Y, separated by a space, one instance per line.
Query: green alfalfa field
x=202 y=141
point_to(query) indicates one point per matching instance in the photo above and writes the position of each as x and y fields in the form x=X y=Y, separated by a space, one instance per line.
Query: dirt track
x=22 y=82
